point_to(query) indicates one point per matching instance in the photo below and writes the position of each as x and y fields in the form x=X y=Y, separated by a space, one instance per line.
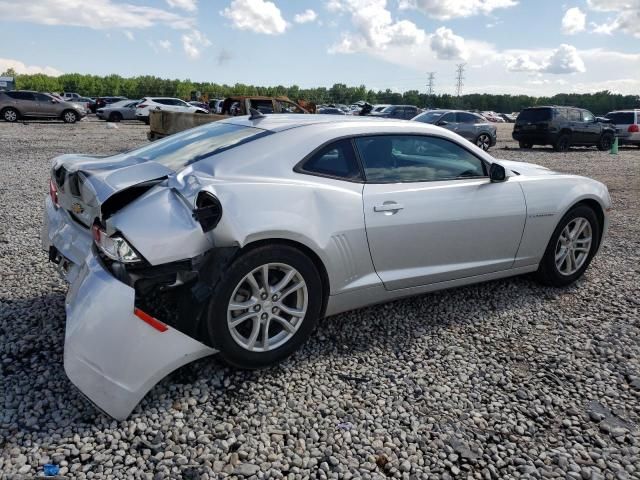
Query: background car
x=469 y=125
x=627 y=125
x=330 y=111
x=396 y=208
x=70 y=96
x=104 y=101
x=380 y=106
x=562 y=127
x=116 y=112
x=402 y=112
x=493 y=117
x=164 y=103
x=202 y=105
x=18 y=104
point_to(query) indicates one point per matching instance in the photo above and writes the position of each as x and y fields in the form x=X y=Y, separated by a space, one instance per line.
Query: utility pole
x=460 y=78
x=430 y=92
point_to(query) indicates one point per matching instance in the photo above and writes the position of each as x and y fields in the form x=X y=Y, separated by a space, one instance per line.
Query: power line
x=459 y=78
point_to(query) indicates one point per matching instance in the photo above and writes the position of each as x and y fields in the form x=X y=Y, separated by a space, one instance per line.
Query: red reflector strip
x=145 y=317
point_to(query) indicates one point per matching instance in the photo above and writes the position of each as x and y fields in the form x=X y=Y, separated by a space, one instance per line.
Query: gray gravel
x=501 y=380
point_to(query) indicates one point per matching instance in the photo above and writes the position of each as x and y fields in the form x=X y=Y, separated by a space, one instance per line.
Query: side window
x=412 y=158
x=587 y=117
x=288 y=107
x=263 y=106
x=335 y=160
x=21 y=95
x=41 y=97
x=161 y=101
x=448 y=117
x=464 y=117
x=574 y=115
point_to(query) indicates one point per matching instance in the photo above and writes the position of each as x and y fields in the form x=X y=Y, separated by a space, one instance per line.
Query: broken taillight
x=53 y=193
x=141 y=105
x=115 y=247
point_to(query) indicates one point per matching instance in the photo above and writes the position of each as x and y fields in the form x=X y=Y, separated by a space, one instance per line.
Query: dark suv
x=562 y=127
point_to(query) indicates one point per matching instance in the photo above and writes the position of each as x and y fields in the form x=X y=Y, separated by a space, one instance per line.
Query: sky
x=533 y=47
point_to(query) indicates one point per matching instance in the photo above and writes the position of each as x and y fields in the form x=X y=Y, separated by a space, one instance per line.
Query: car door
x=467 y=125
x=591 y=128
x=431 y=212
x=577 y=127
x=448 y=121
x=47 y=106
x=25 y=103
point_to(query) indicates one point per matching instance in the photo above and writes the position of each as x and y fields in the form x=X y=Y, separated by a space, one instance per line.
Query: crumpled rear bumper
x=110 y=354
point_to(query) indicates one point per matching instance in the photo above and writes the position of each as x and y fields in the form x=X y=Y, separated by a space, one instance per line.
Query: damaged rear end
x=133 y=237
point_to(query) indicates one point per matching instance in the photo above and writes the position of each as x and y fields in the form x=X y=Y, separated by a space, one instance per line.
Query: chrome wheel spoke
x=262 y=317
x=573 y=247
x=287 y=325
x=235 y=322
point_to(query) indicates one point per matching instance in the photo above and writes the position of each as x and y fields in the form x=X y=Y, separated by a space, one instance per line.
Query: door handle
x=388 y=207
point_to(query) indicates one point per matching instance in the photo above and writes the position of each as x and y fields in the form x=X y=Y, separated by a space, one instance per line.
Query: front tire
x=265 y=307
x=10 y=115
x=525 y=145
x=115 y=117
x=69 y=116
x=483 y=141
x=571 y=248
x=606 y=141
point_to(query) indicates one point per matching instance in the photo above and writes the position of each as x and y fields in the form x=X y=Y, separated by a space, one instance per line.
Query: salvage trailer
x=163 y=123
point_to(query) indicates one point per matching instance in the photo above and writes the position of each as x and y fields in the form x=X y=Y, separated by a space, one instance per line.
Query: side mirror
x=442 y=123
x=497 y=173
x=53 y=100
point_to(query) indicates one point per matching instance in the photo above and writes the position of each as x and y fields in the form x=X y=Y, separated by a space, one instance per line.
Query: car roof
x=280 y=121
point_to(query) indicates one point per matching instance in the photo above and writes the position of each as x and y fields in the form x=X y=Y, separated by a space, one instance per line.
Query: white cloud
x=574 y=21
x=448 y=46
x=193 y=43
x=447 y=9
x=21 y=68
x=188 y=5
x=258 y=16
x=165 y=45
x=306 y=16
x=627 y=19
x=96 y=14
x=129 y=35
x=160 y=45
x=563 y=60
x=375 y=28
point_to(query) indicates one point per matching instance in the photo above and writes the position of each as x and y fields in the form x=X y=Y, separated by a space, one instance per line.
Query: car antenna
x=255 y=114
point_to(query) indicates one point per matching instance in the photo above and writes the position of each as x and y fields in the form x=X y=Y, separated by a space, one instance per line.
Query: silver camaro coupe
x=236 y=237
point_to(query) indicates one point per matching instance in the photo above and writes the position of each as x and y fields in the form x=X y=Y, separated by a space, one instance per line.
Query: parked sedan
x=104 y=101
x=17 y=104
x=403 y=112
x=469 y=125
x=236 y=237
x=116 y=112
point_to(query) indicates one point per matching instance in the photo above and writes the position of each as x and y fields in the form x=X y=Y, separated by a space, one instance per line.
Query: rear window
x=184 y=148
x=621 y=118
x=535 y=115
x=429 y=117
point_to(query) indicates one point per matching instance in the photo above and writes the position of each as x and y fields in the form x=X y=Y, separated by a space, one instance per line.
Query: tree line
x=147 y=85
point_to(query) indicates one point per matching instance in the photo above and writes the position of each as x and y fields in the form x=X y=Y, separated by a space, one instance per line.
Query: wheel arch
x=598 y=210
x=305 y=249
x=10 y=107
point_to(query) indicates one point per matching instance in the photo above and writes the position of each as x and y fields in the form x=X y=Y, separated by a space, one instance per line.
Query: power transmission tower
x=430 y=92
x=460 y=78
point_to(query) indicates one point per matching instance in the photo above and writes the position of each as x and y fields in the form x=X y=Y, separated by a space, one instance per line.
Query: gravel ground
x=501 y=380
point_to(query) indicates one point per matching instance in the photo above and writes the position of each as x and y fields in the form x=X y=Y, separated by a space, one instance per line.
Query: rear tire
x=246 y=343
x=10 y=115
x=549 y=272
x=115 y=117
x=525 y=145
x=606 y=141
x=562 y=143
x=69 y=116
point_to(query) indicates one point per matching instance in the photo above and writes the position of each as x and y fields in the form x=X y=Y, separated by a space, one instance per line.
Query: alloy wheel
x=70 y=117
x=267 y=307
x=10 y=116
x=573 y=247
x=484 y=142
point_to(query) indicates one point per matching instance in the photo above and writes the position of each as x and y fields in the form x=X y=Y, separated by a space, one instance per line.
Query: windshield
x=535 y=115
x=182 y=149
x=429 y=117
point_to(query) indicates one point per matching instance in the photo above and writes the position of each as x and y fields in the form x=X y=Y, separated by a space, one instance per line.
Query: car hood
x=86 y=182
x=524 y=168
